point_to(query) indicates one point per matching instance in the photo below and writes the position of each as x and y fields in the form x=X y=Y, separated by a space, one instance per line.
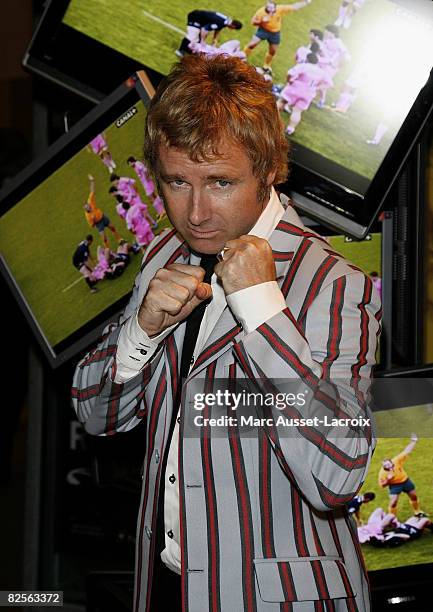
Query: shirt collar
x=269 y=218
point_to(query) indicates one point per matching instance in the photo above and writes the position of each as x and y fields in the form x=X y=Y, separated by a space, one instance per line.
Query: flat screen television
x=354 y=133
x=46 y=219
x=400 y=566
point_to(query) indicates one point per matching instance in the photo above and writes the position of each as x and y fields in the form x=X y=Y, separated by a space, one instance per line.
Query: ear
x=271 y=177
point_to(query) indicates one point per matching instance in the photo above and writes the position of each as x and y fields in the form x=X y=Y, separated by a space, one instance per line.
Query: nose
x=199 y=209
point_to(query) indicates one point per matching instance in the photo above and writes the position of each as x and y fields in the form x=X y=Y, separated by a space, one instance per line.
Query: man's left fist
x=248 y=261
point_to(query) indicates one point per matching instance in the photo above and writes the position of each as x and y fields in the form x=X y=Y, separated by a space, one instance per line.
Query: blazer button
x=143 y=352
x=192 y=360
x=157 y=456
x=172 y=479
x=148 y=532
x=170 y=534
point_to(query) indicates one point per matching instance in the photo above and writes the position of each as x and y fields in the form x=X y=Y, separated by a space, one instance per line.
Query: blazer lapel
x=220 y=340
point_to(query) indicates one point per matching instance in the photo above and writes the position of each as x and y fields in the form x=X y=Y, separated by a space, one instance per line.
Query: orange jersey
x=398 y=473
x=95 y=214
x=272 y=22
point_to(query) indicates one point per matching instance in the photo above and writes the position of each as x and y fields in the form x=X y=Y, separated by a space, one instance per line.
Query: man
x=303 y=83
x=374 y=529
x=412 y=529
x=268 y=21
x=143 y=174
x=243 y=522
x=354 y=506
x=126 y=187
x=96 y=218
x=392 y=533
x=347 y=11
x=200 y=24
x=303 y=52
x=137 y=223
x=334 y=54
x=393 y=475
x=82 y=260
x=99 y=147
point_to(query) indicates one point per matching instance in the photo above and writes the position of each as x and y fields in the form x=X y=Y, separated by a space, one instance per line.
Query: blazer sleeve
x=328 y=351
x=102 y=405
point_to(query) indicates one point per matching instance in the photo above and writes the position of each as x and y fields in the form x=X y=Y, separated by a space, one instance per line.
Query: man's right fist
x=172 y=295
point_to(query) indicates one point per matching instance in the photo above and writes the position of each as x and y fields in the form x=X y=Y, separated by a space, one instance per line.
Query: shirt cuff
x=255 y=305
x=135 y=349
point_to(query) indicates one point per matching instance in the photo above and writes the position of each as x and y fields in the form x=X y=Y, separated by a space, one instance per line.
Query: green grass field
x=366 y=254
x=39 y=236
x=419 y=467
x=150 y=32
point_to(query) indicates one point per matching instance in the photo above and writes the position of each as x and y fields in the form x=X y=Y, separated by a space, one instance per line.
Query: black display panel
x=46 y=217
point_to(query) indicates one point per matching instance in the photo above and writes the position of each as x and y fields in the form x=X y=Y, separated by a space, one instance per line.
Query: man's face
x=387 y=464
x=210 y=202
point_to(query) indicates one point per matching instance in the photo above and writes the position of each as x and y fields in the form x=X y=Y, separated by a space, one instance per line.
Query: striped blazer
x=262 y=517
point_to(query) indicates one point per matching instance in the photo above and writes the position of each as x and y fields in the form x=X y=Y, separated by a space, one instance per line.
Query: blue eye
x=223 y=183
x=176 y=183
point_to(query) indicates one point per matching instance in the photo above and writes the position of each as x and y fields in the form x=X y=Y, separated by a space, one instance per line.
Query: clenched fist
x=247 y=261
x=172 y=295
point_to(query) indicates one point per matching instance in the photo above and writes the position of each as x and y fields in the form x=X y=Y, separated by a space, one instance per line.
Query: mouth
x=204 y=235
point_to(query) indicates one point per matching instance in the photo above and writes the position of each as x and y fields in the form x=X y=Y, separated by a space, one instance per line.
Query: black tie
x=208 y=262
x=193 y=322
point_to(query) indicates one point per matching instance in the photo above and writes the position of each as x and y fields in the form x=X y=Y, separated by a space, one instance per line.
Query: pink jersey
x=134 y=216
x=325 y=63
x=311 y=75
x=305 y=79
x=377 y=522
x=102 y=266
x=301 y=54
x=139 y=225
x=335 y=52
x=158 y=205
x=126 y=187
x=144 y=234
x=121 y=211
x=137 y=201
x=98 y=144
x=142 y=173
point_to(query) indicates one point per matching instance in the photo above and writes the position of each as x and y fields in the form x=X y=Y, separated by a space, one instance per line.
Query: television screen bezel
x=341 y=208
x=137 y=88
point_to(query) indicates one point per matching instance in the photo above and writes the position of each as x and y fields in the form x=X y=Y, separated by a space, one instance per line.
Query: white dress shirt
x=251 y=307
